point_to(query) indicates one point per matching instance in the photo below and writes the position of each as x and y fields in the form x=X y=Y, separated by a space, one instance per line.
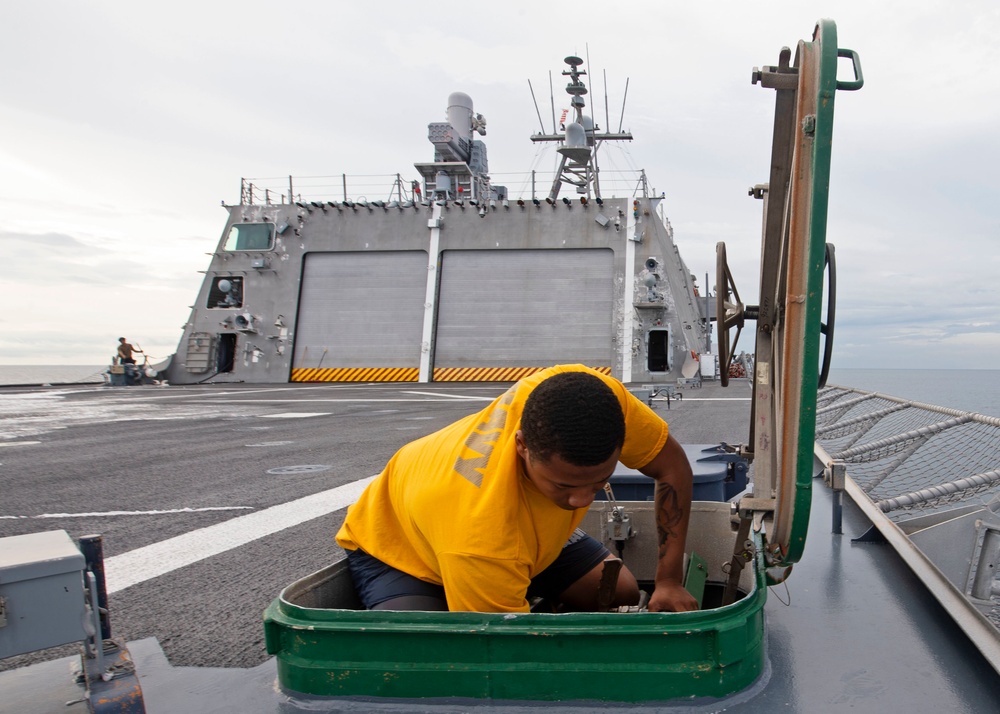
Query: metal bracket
x=3 y=612
x=835 y=476
x=609 y=583
x=619 y=523
x=743 y=553
x=982 y=583
x=750 y=507
x=776 y=77
x=784 y=76
x=872 y=535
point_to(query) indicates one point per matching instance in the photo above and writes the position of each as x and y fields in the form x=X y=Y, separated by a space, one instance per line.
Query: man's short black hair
x=574 y=415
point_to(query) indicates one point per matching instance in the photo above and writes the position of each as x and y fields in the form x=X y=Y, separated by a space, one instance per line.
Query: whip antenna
x=542 y=125
x=622 y=120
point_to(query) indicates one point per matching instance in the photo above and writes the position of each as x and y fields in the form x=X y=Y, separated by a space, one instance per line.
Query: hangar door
x=360 y=316
x=504 y=313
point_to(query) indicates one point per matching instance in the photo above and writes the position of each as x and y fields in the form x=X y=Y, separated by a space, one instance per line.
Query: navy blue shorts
x=376 y=582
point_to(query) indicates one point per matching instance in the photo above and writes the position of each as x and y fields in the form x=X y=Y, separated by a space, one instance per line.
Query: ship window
x=226 y=292
x=658 y=352
x=250 y=236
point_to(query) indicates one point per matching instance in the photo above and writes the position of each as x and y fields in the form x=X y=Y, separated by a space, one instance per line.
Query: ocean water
x=52 y=374
x=970 y=389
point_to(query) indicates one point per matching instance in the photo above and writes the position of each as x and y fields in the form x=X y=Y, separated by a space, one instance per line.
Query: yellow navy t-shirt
x=453 y=509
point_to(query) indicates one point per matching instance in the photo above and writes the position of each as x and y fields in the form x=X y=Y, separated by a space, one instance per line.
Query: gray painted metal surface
x=41 y=592
x=299 y=312
x=361 y=309
x=525 y=308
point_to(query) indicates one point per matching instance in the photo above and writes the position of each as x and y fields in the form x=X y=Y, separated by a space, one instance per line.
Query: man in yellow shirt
x=484 y=514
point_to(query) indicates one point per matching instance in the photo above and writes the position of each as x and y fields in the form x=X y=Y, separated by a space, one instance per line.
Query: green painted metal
x=817 y=65
x=695 y=577
x=325 y=650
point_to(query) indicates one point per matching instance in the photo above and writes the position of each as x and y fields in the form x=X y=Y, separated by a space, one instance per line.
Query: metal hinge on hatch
x=752 y=512
x=755 y=509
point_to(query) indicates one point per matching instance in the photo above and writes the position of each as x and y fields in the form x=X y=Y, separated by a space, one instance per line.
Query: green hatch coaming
x=538 y=657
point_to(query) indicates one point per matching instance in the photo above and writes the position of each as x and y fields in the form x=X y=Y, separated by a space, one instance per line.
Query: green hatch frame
x=794 y=258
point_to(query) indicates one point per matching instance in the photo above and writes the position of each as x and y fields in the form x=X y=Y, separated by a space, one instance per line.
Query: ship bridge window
x=250 y=236
x=226 y=292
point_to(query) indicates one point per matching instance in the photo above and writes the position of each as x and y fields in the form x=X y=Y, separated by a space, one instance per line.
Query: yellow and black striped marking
x=357 y=374
x=490 y=374
x=412 y=374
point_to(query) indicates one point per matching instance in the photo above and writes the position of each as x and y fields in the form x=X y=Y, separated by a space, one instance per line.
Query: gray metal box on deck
x=41 y=592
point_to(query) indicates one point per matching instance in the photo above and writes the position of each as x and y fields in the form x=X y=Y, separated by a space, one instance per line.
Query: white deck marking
x=19 y=443
x=713 y=399
x=99 y=514
x=347 y=401
x=151 y=561
x=293 y=415
x=451 y=396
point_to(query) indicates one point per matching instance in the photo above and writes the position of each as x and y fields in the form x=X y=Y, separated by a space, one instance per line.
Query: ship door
x=226 y=355
x=658 y=350
x=506 y=313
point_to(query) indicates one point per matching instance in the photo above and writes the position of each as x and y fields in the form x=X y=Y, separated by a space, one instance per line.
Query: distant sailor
x=484 y=514
x=125 y=351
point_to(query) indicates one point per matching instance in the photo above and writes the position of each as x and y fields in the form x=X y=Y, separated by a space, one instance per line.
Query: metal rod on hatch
x=92 y=547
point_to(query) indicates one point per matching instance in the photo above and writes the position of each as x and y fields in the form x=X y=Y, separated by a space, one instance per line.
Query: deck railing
x=908 y=456
x=395 y=187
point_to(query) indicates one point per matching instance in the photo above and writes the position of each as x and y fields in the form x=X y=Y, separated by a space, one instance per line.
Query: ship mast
x=580 y=140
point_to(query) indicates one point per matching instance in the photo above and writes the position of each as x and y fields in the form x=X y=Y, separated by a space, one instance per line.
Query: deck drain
x=303 y=469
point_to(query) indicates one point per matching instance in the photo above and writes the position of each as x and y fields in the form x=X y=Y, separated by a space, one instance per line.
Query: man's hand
x=670 y=596
x=672 y=472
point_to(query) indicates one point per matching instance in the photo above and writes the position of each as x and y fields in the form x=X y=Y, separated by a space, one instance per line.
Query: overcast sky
x=125 y=125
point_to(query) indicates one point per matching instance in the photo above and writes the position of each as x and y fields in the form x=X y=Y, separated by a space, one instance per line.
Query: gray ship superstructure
x=449 y=278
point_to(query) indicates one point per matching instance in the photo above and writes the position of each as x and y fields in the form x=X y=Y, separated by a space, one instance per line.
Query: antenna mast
x=535 y=101
x=578 y=145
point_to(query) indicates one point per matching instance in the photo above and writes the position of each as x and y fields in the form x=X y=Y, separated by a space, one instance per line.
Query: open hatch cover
x=790 y=317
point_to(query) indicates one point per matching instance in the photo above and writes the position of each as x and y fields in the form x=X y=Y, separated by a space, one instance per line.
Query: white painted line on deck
x=452 y=396
x=18 y=443
x=713 y=399
x=293 y=415
x=100 y=514
x=347 y=401
x=151 y=561
x=182 y=393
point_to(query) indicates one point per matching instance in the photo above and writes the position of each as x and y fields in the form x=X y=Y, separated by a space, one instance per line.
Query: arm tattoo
x=669 y=514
